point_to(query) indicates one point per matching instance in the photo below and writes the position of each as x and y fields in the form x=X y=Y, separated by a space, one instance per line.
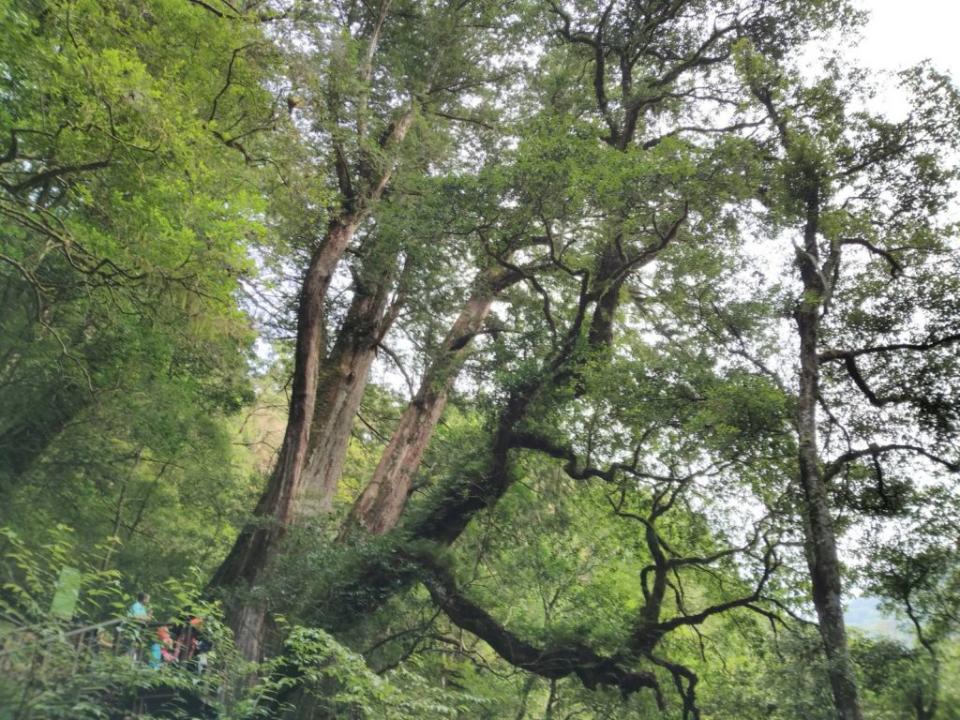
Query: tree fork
x=257 y=542
x=380 y=505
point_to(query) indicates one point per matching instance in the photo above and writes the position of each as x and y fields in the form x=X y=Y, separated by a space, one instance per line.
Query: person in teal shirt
x=140 y=610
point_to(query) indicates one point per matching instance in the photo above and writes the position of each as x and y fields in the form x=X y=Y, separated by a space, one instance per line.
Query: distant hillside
x=864 y=614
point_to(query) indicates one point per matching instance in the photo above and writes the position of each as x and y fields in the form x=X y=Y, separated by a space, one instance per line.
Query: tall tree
x=666 y=194
x=368 y=75
x=852 y=181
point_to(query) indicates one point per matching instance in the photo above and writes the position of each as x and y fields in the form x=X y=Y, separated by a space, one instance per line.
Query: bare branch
x=896 y=268
x=399 y=365
x=828 y=355
x=832 y=468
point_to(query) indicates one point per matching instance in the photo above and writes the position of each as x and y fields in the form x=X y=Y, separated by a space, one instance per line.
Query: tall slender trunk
x=343 y=379
x=821 y=540
x=257 y=543
x=380 y=505
x=821 y=537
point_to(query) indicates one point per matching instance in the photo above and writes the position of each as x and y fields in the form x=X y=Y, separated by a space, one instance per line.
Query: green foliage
x=93 y=665
x=126 y=224
x=167 y=169
x=339 y=682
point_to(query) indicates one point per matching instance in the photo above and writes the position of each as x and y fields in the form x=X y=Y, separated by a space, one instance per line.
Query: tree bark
x=609 y=281
x=257 y=542
x=821 y=540
x=821 y=537
x=380 y=505
x=343 y=379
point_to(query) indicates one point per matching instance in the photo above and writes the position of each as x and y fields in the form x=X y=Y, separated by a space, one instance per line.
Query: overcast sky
x=901 y=33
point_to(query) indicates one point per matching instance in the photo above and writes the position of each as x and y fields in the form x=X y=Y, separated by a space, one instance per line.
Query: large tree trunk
x=257 y=543
x=821 y=538
x=380 y=505
x=343 y=378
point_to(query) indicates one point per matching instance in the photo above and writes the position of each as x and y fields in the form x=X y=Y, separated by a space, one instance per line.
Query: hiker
x=193 y=644
x=140 y=610
x=162 y=650
x=204 y=645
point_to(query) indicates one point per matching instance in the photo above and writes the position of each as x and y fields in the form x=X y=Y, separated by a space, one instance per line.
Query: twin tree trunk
x=257 y=542
x=380 y=505
x=343 y=379
x=320 y=432
x=280 y=503
x=306 y=477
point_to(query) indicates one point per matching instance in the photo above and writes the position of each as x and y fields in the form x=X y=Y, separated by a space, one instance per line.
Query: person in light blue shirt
x=140 y=610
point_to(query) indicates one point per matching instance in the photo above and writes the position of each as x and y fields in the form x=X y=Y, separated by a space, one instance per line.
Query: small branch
x=829 y=355
x=462 y=118
x=229 y=79
x=376 y=433
x=208 y=8
x=876 y=400
x=896 y=268
x=832 y=468
x=399 y=364
x=743 y=125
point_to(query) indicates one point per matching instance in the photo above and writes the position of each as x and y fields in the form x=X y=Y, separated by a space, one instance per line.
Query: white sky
x=898 y=35
x=901 y=33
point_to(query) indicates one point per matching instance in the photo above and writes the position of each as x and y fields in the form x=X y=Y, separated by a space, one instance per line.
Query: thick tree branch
x=55 y=172
x=555 y=662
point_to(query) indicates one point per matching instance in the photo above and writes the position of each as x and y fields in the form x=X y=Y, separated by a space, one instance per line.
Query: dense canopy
x=427 y=359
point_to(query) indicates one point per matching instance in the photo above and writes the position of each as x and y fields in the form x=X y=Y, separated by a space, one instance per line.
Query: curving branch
x=853 y=371
x=615 y=670
x=770 y=565
x=833 y=468
x=553 y=663
x=896 y=268
x=229 y=79
x=834 y=354
x=235 y=13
